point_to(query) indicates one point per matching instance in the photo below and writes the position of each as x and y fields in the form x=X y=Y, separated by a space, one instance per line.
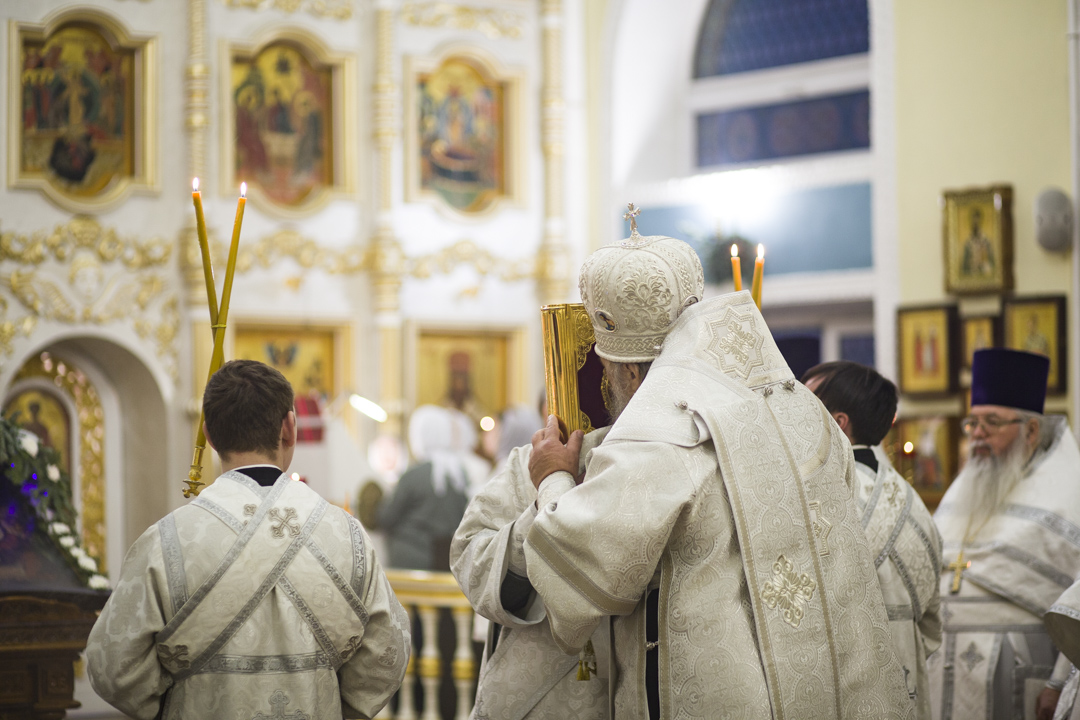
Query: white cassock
x=526 y=675
x=996 y=656
x=250 y=600
x=718 y=525
x=906 y=548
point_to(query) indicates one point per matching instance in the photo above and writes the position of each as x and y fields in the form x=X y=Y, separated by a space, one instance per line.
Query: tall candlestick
x=736 y=267
x=194 y=481
x=204 y=247
x=759 y=272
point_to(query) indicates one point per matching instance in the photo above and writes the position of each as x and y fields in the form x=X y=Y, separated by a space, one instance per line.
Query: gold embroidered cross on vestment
x=958 y=567
x=789 y=591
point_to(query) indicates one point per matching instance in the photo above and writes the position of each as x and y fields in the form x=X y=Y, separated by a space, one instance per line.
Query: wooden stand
x=41 y=636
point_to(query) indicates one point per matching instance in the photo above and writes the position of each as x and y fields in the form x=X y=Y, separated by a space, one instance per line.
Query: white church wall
x=999 y=114
x=654 y=161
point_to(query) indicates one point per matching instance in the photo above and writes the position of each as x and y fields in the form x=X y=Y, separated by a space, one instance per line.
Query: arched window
x=742 y=35
x=780 y=79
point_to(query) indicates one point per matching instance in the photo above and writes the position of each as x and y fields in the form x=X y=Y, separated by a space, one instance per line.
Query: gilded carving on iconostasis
x=289 y=103
x=81 y=126
x=462 y=134
x=83 y=273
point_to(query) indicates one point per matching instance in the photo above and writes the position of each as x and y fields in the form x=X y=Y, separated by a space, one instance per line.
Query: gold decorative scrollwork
x=307 y=253
x=332 y=9
x=79 y=286
x=90 y=423
x=467 y=252
x=492 y=22
x=83 y=233
x=310 y=255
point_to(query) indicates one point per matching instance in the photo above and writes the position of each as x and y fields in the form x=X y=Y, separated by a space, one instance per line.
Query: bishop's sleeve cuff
x=554 y=487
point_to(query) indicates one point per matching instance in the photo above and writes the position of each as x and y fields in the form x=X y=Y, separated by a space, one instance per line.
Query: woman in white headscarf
x=425 y=508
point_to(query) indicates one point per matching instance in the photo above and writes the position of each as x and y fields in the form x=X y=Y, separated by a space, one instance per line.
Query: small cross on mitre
x=631 y=215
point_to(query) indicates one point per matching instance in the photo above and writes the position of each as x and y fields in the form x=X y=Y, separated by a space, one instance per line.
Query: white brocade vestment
x=726 y=487
x=906 y=548
x=250 y=602
x=996 y=656
x=527 y=675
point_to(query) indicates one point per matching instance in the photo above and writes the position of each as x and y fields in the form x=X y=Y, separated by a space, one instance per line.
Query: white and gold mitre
x=635 y=289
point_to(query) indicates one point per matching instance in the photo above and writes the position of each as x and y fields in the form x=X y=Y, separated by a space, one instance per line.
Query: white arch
x=123 y=338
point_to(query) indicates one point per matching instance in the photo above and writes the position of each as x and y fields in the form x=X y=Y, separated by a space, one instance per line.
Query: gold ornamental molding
x=466 y=252
x=267 y=251
x=90 y=423
x=83 y=233
x=330 y=9
x=93 y=276
x=492 y=22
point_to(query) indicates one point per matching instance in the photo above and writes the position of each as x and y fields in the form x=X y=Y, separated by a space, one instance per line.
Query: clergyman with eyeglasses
x=1010 y=523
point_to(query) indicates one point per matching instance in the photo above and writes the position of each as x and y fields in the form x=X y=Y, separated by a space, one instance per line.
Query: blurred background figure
x=516 y=428
x=420 y=515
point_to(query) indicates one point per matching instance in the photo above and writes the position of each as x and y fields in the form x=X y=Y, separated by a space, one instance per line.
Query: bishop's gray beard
x=986 y=482
x=616 y=390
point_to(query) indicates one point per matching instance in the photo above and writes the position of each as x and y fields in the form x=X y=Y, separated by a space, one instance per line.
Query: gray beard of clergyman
x=616 y=390
x=988 y=480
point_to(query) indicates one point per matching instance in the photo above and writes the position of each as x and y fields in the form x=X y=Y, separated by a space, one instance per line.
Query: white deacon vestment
x=996 y=656
x=527 y=675
x=906 y=548
x=725 y=486
x=249 y=602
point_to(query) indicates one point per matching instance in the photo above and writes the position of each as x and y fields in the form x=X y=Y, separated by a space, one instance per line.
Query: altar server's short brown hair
x=244 y=405
x=868 y=398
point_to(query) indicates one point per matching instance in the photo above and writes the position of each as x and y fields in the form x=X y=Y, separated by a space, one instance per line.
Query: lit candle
x=759 y=271
x=736 y=267
x=204 y=246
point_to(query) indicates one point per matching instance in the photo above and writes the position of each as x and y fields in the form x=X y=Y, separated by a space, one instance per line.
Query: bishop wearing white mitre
x=1010 y=523
x=715 y=538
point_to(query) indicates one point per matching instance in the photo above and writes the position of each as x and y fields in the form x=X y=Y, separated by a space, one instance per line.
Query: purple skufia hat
x=1010 y=378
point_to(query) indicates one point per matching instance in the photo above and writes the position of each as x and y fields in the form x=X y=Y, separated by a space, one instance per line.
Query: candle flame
x=243 y=189
x=761 y=251
x=195 y=185
x=734 y=250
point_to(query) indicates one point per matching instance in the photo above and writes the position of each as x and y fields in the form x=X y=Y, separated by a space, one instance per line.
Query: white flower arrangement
x=46 y=493
x=29 y=443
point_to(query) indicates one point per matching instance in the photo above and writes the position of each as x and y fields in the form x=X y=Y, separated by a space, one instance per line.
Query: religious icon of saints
x=77 y=98
x=1035 y=340
x=978 y=259
x=281 y=108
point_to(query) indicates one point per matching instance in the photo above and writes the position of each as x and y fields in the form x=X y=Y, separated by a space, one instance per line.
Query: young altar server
x=257 y=599
x=904 y=541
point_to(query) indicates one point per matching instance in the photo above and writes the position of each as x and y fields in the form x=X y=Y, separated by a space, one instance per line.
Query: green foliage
x=44 y=490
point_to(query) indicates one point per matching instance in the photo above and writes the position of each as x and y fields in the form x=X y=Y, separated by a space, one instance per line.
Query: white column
x=1074 y=129
x=430 y=662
